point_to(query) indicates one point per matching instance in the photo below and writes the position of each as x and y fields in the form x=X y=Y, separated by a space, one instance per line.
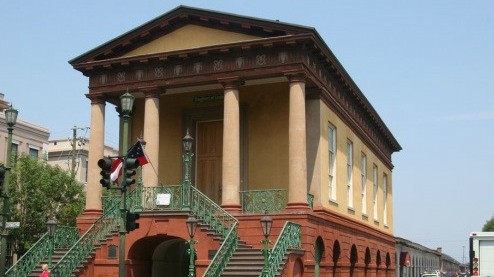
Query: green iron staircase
x=64 y=238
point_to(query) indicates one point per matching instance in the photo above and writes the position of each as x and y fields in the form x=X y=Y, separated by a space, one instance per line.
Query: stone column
x=231 y=147
x=96 y=151
x=297 y=154
x=152 y=138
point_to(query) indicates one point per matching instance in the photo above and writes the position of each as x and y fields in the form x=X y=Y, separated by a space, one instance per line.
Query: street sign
x=12 y=225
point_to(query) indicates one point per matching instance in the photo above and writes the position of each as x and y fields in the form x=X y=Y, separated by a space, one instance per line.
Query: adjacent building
x=278 y=127
x=414 y=259
x=72 y=156
x=27 y=138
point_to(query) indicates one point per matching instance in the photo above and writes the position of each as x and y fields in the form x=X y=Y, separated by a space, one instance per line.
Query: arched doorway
x=336 y=256
x=353 y=259
x=318 y=254
x=367 y=260
x=159 y=256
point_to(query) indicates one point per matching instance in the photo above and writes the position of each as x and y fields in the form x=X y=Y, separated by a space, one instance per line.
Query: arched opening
x=318 y=254
x=378 y=260
x=353 y=259
x=367 y=260
x=336 y=255
x=388 y=261
x=159 y=256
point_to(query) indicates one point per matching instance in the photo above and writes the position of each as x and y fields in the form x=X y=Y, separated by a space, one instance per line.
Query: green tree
x=489 y=225
x=40 y=192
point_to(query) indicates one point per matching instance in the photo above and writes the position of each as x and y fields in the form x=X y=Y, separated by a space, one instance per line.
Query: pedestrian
x=46 y=272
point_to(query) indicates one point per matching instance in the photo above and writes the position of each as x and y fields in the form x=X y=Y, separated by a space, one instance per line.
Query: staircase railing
x=223 y=223
x=211 y=213
x=223 y=255
x=107 y=223
x=290 y=238
x=64 y=238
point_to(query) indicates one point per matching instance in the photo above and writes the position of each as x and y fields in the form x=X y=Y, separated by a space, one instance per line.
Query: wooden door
x=209 y=158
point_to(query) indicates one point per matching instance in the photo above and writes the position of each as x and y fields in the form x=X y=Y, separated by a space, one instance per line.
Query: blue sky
x=426 y=66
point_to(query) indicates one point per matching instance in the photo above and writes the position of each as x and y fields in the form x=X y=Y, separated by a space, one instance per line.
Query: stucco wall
x=187 y=37
x=343 y=134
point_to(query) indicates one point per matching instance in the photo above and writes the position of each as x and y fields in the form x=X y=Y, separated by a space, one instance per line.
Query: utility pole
x=73 y=142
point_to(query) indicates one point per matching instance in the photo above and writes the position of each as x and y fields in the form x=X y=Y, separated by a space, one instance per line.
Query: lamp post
x=51 y=225
x=10 y=119
x=127 y=103
x=266 y=223
x=191 y=227
x=187 y=183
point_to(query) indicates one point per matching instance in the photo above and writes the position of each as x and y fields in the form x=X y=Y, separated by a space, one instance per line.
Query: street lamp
x=51 y=225
x=266 y=223
x=191 y=227
x=187 y=160
x=126 y=105
x=10 y=119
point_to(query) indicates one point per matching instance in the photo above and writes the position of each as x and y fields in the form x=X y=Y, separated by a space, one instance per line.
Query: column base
x=232 y=208
x=299 y=206
x=87 y=219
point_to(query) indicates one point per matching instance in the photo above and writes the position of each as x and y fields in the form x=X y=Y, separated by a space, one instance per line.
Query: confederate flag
x=135 y=152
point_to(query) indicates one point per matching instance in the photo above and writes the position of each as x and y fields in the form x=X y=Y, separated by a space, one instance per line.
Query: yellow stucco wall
x=188 y=37
x=343 y=134
x=267 y=135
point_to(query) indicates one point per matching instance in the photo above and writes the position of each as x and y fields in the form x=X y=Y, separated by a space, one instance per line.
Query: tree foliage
x=40 y=192
x=489 y=225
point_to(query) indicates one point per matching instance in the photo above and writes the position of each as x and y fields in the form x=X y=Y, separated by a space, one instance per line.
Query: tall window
x=385 y=199
x=374 y=194
x=33 y=153
x=332 y=161
x=349 y=171
x=15 y=152
x=363 y=170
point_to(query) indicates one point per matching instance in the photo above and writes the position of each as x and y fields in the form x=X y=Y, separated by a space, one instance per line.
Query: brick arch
x=353 y=259
x=143 y=254
x=319 y=249
x=368 y=257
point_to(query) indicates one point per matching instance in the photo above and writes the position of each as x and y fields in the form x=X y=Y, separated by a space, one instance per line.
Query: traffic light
x=130 y=171
x=3 y=170
x=105 y=165
x=130 y=223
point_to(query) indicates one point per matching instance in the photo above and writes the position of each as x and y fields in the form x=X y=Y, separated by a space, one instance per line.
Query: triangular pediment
x=188 y=28
x=189 y=37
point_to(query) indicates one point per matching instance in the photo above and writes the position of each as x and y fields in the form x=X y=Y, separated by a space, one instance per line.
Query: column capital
x=151 y=91
x=231 y=82
x=295 y=76
x=96 y=99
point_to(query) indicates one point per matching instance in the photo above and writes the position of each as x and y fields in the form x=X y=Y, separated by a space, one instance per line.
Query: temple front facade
x=279 y=130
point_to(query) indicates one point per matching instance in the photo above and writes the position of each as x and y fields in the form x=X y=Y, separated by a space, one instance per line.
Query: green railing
x=211 y=213
x=64 y=238
x=260 y=201
x=310 y=201
x=223 y=255
x=144 y=199
x=83 y=248
x=150 y=195
x=290 y=238
x=223 y=223
x=268 y=200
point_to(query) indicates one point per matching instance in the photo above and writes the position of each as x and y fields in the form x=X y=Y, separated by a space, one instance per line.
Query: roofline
x=190 y=9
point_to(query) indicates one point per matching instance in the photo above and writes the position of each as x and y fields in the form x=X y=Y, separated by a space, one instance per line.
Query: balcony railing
x=253 y=201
